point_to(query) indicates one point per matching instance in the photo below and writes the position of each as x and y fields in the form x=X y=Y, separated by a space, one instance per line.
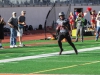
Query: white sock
x=0 y=44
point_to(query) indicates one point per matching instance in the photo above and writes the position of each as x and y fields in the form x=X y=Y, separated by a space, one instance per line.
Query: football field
x=41 y=57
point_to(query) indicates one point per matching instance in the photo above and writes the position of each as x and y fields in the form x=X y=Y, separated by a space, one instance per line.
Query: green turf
x=42 y=49
x=64 y=64
x=55 y=62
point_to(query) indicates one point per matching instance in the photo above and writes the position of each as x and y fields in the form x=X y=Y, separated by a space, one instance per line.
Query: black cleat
x=76 y=52
x=60 y=52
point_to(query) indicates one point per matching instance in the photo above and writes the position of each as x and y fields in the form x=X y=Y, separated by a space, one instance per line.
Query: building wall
x=37 y=15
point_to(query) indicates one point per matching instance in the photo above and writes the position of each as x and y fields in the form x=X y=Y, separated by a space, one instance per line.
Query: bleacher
x=25 y=3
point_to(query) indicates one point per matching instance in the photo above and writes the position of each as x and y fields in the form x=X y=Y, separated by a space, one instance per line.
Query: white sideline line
x=46 y=55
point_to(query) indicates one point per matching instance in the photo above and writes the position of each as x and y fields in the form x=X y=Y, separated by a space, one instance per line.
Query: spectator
x=98 y=26
x=13 y=23
x=21 y=24
x=2 y=23
x=80 y=26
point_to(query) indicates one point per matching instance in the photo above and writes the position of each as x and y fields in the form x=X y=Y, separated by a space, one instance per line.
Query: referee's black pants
x=65 y=35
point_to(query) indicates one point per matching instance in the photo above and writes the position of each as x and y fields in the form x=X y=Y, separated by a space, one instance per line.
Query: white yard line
x=46 y=55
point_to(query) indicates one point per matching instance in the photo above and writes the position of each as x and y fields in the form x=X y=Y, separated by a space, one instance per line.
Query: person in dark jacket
x=2 y=23
x=63 y=29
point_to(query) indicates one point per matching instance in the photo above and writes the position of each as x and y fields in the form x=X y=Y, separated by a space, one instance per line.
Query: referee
x=63 y=28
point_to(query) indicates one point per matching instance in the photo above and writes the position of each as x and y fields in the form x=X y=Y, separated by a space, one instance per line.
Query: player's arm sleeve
x=57 y=27
x=56 y=23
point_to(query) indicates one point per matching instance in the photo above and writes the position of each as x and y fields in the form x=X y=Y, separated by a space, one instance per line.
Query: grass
x=84 y=63
x=28 y=42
